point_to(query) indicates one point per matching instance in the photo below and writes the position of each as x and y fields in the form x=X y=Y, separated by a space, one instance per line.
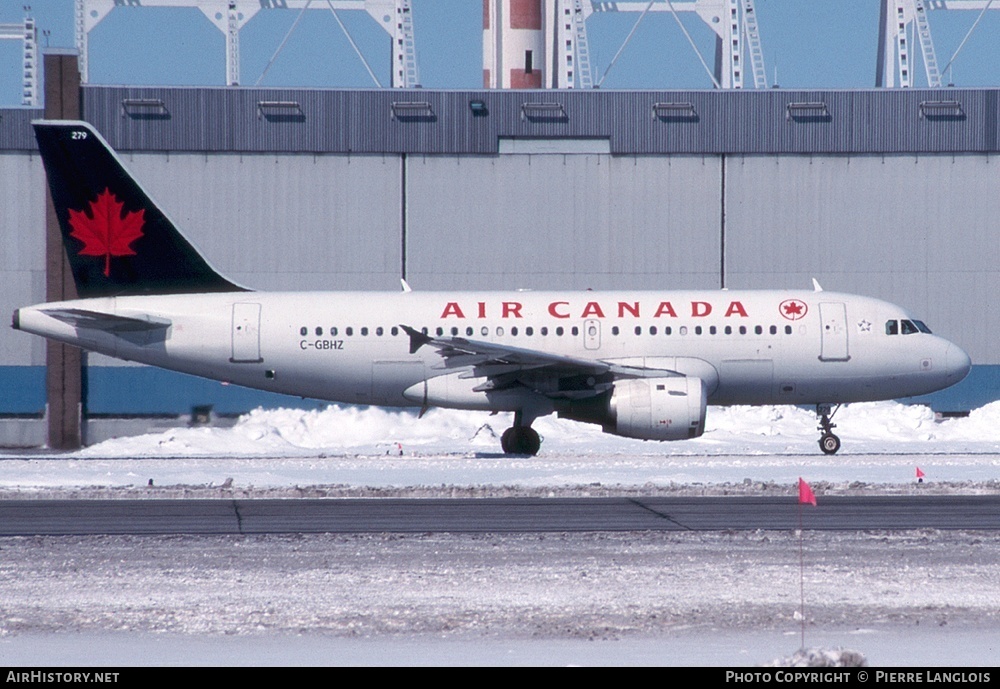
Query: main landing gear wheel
x=520 y=440
x=828 y=442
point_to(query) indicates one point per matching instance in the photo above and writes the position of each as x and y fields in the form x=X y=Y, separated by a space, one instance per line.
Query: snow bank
x=880 y=427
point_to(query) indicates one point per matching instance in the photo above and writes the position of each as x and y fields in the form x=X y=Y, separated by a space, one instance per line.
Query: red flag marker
x=806 y=495
x=920 y=476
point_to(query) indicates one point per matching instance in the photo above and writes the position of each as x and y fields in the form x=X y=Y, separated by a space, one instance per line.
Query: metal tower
x=901 y=22
x=543 y=43
x=229 y=16
x=27 y=33
x=898 y=20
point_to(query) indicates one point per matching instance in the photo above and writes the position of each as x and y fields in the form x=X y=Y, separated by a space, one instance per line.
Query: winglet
x=417 y=338
x=405 y=284
x=816 y=286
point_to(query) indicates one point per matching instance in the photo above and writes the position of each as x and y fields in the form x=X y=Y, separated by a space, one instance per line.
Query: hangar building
x=884 y=192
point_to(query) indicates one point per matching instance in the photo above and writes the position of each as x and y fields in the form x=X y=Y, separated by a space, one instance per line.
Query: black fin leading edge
x=117 y=239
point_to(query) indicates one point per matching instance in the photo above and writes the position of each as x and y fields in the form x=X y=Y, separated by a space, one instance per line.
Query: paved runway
x=488 y=515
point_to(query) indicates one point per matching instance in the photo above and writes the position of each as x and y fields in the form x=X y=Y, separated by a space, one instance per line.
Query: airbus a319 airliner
x=641 y=364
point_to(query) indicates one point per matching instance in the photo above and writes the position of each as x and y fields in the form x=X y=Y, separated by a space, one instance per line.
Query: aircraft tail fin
x=117 y=239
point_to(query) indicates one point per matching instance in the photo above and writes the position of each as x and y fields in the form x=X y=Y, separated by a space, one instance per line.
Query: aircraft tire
x=520 y=440
x=506 y=443
x=531 y=443
x=829 y=443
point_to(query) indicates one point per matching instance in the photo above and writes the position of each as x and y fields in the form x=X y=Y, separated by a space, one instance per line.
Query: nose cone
x=957 y=364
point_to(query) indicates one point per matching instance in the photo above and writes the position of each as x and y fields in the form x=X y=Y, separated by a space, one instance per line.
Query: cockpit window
x=906 y=327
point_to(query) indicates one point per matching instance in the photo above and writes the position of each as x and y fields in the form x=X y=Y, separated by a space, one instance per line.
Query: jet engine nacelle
x=657 y=408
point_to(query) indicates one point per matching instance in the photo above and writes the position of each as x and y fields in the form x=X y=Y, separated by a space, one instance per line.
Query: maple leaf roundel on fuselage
x=107 y=230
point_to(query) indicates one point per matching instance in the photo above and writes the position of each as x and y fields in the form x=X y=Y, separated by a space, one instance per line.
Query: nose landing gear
x=828 y=442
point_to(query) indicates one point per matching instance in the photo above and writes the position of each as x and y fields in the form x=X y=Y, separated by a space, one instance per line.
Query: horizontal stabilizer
x=95 y=320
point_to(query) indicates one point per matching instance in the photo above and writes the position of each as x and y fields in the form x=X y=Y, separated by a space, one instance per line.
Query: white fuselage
x=748 y=347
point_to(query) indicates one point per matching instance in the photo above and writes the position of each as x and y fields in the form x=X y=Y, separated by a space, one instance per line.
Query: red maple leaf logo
x=793 y=309
x=106 y=231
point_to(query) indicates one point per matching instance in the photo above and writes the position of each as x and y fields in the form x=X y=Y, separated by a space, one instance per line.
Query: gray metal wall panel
x=22 y=251
x=915 y=230
x=362 y=121
x=563 y=222
x=285 y=222
x=22 y=212
x=21 y=288
x=15 y=129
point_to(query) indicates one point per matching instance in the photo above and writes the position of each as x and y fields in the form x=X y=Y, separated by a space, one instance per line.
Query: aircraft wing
x=554 y=375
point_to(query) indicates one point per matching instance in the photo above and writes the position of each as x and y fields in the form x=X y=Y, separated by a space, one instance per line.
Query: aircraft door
x=833 y=333
x=592 y=334
x=246 y=334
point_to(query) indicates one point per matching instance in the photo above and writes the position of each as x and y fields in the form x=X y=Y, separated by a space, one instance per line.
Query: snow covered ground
x=908 y=598
x=883 y=444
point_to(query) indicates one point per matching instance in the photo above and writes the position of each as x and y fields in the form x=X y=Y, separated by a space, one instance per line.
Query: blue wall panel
x=22 y=389
x=129 y=390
